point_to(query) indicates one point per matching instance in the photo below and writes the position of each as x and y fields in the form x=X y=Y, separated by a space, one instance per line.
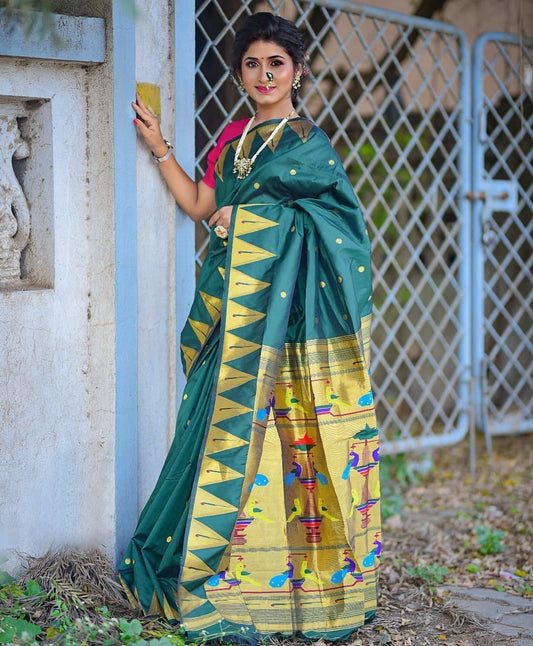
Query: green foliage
x=130 y=630
x=60 y=615
x=29 y=616
x=474 y=569
x=391 y=502
x=15 y=629
x=37 y=15
x=432 y=573
x=396 y=475
x=490 y=541
x=33 y=15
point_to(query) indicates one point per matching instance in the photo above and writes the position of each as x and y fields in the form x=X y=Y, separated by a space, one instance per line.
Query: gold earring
x=296 y=81
x=239 y=83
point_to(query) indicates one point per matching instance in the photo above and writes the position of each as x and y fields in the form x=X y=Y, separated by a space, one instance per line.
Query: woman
x=265 y=518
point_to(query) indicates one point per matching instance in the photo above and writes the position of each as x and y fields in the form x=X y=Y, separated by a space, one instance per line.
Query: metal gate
x=393 y=93
x=503 y=233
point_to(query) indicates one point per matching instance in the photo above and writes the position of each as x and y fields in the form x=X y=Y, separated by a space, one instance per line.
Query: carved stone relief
x=26 y=194
x=14 y=211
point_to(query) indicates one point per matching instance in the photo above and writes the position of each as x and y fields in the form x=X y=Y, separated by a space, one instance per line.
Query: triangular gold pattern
x=188 y=600
x=196 y=567
x=226 y=408
x=213 y=305
x=302 y=127
x=169 y=611
x=200 y=329
x=239 y=316
x=265 y=131
x=242 y=284
x=206 y=537
x=235 y=347
x=231 y=378
x=245 y=253
x=250 y=222
x=213 y=472
x=219 y=166
x=209 y=504
x=189 y=354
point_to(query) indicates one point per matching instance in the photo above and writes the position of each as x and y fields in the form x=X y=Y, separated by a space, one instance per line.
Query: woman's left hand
x=221 y=217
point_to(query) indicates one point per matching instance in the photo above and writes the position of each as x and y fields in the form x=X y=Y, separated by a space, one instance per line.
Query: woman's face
x=265 y=56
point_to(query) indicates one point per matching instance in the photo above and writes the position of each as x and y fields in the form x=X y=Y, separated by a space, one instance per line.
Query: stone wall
x=61 y=466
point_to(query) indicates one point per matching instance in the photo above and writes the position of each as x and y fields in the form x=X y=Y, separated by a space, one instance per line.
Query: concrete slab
x=502 y=612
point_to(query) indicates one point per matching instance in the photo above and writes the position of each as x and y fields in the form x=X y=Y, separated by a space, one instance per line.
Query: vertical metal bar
x=126 y=324
x=465 y=243
x=477 y=293
x=184 y=79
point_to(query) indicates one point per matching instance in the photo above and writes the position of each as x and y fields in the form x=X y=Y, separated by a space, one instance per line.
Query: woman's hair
x=267 y=26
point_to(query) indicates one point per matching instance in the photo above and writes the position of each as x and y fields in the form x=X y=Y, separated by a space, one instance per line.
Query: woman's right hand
x=148 y=126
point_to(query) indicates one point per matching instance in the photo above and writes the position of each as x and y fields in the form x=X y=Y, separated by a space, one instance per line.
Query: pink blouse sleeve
x=232 y=130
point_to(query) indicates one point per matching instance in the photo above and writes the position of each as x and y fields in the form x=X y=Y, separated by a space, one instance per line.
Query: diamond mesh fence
x=506 y=153
x=388 y=92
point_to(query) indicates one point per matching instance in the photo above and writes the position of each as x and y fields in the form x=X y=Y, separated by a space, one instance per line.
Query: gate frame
x=487 y=195
x=464 y=314
x=468 y=208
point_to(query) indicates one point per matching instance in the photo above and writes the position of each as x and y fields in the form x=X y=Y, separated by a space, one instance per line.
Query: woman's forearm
x=196 y=199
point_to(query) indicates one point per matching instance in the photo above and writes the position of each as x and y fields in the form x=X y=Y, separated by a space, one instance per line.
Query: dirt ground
x=450 y=532
x=442 y=528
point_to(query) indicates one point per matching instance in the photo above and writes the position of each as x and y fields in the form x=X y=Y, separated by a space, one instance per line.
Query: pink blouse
x=232 y=130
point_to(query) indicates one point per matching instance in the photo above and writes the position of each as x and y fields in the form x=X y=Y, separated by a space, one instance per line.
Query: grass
x=71 y=598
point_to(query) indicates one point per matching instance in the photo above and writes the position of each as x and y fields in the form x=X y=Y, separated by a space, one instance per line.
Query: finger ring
x=221 y=231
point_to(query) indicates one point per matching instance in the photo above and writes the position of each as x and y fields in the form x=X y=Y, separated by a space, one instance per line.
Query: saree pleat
x=265 y=518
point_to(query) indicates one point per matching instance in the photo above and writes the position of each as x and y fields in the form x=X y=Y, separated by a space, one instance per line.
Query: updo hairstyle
x=267 y=26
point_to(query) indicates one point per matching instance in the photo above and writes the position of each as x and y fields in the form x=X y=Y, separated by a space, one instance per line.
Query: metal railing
x=392 y=92
x=503 y=233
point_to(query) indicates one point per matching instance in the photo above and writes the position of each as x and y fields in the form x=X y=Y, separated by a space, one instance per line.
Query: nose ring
x=270 y=78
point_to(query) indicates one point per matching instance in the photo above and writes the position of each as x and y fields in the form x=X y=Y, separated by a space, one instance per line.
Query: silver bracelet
x=166 y=155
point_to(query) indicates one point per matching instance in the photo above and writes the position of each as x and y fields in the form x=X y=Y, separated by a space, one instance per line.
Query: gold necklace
x=242 y=166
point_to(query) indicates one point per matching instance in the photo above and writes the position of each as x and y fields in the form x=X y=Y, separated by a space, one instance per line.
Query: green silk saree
x=265 y=519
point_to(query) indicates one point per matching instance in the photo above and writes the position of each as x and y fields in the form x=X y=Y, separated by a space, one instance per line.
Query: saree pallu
x=265 y=519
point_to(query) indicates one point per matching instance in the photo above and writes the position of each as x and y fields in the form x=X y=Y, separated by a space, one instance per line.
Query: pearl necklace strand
x=243 y=166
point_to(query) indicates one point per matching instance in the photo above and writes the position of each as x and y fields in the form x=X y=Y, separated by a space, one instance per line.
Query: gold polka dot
x=366 y=231
x=361 y=269
x=331 y=162
x=339 y=278
x=225 y=243
x=293 y=172
x=316 y=319
x=283 y=294
x=370 y=298
x=293 y=228
x=345 y=317
x=127 y=561
x=185 y=396
x=169 y=538
x=290 y=202
x=338 y=240
x=322 y=283
x=188 y=422
x=257 y=185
